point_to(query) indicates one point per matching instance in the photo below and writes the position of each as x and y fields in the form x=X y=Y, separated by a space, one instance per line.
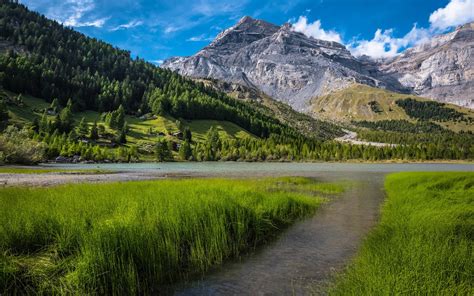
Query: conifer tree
x=94 y=135
x=82 y=128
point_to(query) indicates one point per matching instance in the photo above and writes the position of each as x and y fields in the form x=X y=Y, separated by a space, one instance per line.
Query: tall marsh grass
x=131 y=238
x=424 y=242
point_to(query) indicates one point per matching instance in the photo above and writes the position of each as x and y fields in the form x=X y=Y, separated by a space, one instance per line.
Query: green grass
x=226 y=129
x=424 y=242
x=352 y=104
x=133 y=237
x=139 y=128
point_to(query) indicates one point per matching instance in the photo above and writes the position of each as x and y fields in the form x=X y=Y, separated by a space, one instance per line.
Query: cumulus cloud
x=315 y=30
x=381 y=46
x=131 y=24
x=385 y=45
x=457 y=12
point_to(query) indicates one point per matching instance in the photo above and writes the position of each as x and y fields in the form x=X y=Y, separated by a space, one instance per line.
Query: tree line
x=429 y=110
x=402 y=126
x=53 y=62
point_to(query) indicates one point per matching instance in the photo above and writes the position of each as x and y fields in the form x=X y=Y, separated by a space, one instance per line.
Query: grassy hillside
x=139 y=128
x=423 y=244
x=47 y=60
x=361 y=102
x=259 y=100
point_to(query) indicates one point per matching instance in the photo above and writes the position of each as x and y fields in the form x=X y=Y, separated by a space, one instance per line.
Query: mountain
x=364 y=103
x=284 y=64
x=71 y=96
x=294 y=68
x=42 y=58
x=302 y=122
x=442 y=68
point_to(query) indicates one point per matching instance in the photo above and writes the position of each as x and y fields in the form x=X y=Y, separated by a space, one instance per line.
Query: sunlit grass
x=129 y=238
x=424 y=243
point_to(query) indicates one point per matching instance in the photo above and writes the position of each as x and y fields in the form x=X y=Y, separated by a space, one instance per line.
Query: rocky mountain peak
x=441 y=68
x=246 y=31
x=294 y=68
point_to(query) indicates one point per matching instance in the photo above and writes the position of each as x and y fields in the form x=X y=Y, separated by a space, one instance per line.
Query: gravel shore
x=51 y=179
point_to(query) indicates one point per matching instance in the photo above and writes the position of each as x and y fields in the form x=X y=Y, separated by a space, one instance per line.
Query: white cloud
x=381 y=46
x=199 y=38
x=384 y=45
x=457 y=12
x=131 y=24
x=157 y=62
x=74 y=13
x=314 y=30
x=171 y=29
x=98 y=23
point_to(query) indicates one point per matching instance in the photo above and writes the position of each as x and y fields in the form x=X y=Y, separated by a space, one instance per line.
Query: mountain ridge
x=294 y=68
x=278 y=60
x=441 y=68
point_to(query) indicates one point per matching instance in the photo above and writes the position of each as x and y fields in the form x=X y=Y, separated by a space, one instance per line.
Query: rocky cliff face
x=294 y=68
x=284 y=64
x=442 y=69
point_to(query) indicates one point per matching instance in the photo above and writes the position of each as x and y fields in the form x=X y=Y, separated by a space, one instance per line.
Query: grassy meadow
x=133 y=237
x=424 y=242
x=352 y=104
x=139 y=128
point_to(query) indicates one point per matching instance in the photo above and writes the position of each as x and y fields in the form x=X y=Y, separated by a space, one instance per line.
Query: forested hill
x=47 y=60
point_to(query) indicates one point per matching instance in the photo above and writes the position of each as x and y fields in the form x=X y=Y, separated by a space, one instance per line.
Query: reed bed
x=136 y=237
x=424 y=242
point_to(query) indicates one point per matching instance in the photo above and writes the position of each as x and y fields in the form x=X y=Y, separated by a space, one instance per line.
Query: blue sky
x=156 y=30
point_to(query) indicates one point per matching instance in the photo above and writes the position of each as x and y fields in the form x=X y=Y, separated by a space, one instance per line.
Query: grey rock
x=294 y=68
x=62 y=159
x=286 y=65
x=442 y=68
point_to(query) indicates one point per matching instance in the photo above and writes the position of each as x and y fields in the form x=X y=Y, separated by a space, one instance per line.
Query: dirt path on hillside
x=351 y=138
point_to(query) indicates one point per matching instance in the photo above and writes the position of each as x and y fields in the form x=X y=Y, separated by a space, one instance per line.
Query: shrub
x=17 y=147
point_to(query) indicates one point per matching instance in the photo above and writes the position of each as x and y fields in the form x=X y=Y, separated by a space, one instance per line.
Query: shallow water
x=307 y=254
x=303 y=259
x=265 y=168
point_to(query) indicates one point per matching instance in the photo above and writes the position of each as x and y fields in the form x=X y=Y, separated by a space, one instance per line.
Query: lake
x=306 y=256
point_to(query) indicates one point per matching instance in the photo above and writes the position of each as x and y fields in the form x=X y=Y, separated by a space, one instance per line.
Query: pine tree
x=213 y=142
x=72 y=136
x=54 y=105
x=185 y=151
x=120 y=117
x=35 y=125
x=94 y=135
x=67 y=119
x=3 y=111
x=57 y=124
x=122 y=136
x=101 y=130
x=162 y=151
x=82 y=128
x=187 y=135
x=44 y=124
x=19 y=101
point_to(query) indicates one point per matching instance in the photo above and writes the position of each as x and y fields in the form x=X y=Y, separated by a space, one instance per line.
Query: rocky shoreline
x=58 y=178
